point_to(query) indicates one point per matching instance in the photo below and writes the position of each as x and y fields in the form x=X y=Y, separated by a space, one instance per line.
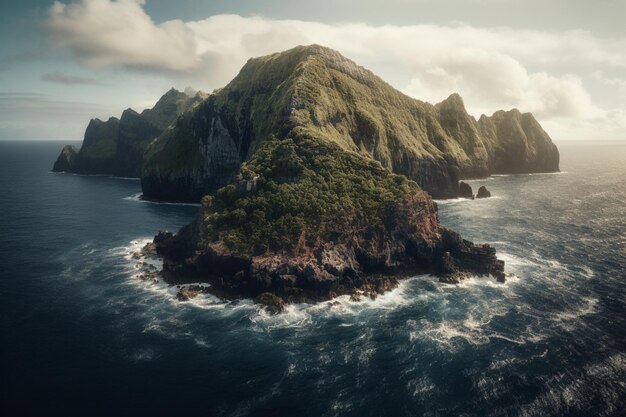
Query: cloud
x=104 y=33
x=61 y=78
x=613 y=82
x=490 y=81
x=492 y=68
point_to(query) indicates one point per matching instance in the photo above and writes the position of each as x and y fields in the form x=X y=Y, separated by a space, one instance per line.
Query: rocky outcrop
x=273 y=304
x=306 y=220
x=459 y=257
x=66 y=160
x=465 y=190
x=117 y=146
x=326 y=271
x=316 y=90
x=517 y=144
x=201 y=154
x=483 y=192
x=186 y=293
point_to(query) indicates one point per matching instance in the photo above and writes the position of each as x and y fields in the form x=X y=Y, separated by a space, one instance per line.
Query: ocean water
x=83 y=335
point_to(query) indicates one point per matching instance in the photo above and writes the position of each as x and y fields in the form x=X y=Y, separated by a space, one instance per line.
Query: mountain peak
x=454 y=101
x=305 y=51
x=294 y=61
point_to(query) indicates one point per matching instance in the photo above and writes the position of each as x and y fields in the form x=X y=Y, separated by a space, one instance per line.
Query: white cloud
x=104 y=33
x=541 y=72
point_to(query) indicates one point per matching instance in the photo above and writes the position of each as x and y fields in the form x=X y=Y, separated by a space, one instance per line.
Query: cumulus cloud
x=490 y=81
x=104 y=33
x=491 y=68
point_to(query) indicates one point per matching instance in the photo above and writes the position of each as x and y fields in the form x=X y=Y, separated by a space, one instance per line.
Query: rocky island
x=316 y=179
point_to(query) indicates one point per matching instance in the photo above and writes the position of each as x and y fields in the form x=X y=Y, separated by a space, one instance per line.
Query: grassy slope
x=100 y=141
x=306 y=189
x=315 y=90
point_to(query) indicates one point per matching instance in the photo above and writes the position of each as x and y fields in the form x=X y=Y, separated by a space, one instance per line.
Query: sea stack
x=465 y=190
x=66 y=160
x=483 y=192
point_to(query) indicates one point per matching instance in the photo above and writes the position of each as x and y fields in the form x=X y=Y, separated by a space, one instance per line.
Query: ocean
x=81 y=334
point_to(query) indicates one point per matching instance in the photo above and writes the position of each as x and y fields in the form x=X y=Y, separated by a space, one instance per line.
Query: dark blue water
x=83 y=335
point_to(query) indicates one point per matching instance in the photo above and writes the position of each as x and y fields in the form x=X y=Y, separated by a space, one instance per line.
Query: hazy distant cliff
x=316 y=90
x=117 y=146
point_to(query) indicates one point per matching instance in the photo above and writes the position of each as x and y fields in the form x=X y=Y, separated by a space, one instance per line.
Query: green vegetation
x=104 y=148
x=299 y=189
x=319 y=91
x=175 y=151
x=314 y=92
x=171 y=105
x=101 y=139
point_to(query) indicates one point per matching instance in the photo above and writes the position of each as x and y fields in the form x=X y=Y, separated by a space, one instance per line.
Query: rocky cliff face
x=66 y=160
x=197 y=156
x=315 y=89
x=117 y=146
x=517 y=144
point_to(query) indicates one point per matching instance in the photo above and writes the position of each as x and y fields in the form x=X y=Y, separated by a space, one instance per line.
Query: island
x=316 y=179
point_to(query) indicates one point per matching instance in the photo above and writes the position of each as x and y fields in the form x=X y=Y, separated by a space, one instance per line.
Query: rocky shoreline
x=281 y=279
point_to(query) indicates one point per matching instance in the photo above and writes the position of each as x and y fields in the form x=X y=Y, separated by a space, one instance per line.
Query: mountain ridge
x=116 y=146
x=316 y=89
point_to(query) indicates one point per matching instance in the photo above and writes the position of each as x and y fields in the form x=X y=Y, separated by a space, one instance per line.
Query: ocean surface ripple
x=84 y=334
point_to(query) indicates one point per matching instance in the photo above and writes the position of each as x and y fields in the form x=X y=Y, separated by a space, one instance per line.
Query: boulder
x=465 y=190
x=483 y=192
x=66 y=160
x=271 y=302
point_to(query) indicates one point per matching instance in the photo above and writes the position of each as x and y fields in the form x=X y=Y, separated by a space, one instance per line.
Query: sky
x=65 y=62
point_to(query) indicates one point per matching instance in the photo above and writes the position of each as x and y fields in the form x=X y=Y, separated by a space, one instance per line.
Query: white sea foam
x=588 y=306
x=461 y=314
x=304 y=314
x=513 y=260
x=139 y=198
x=450 y=332
x=452 y=201
x=547 y=173
x=158 y=288
x=457 y=201
x=421 y=386
x=529 y=174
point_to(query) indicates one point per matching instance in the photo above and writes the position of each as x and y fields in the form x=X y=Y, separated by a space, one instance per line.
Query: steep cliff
x=517 y=144
x=117 y=146
x=67 y=159
x=315 y=89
